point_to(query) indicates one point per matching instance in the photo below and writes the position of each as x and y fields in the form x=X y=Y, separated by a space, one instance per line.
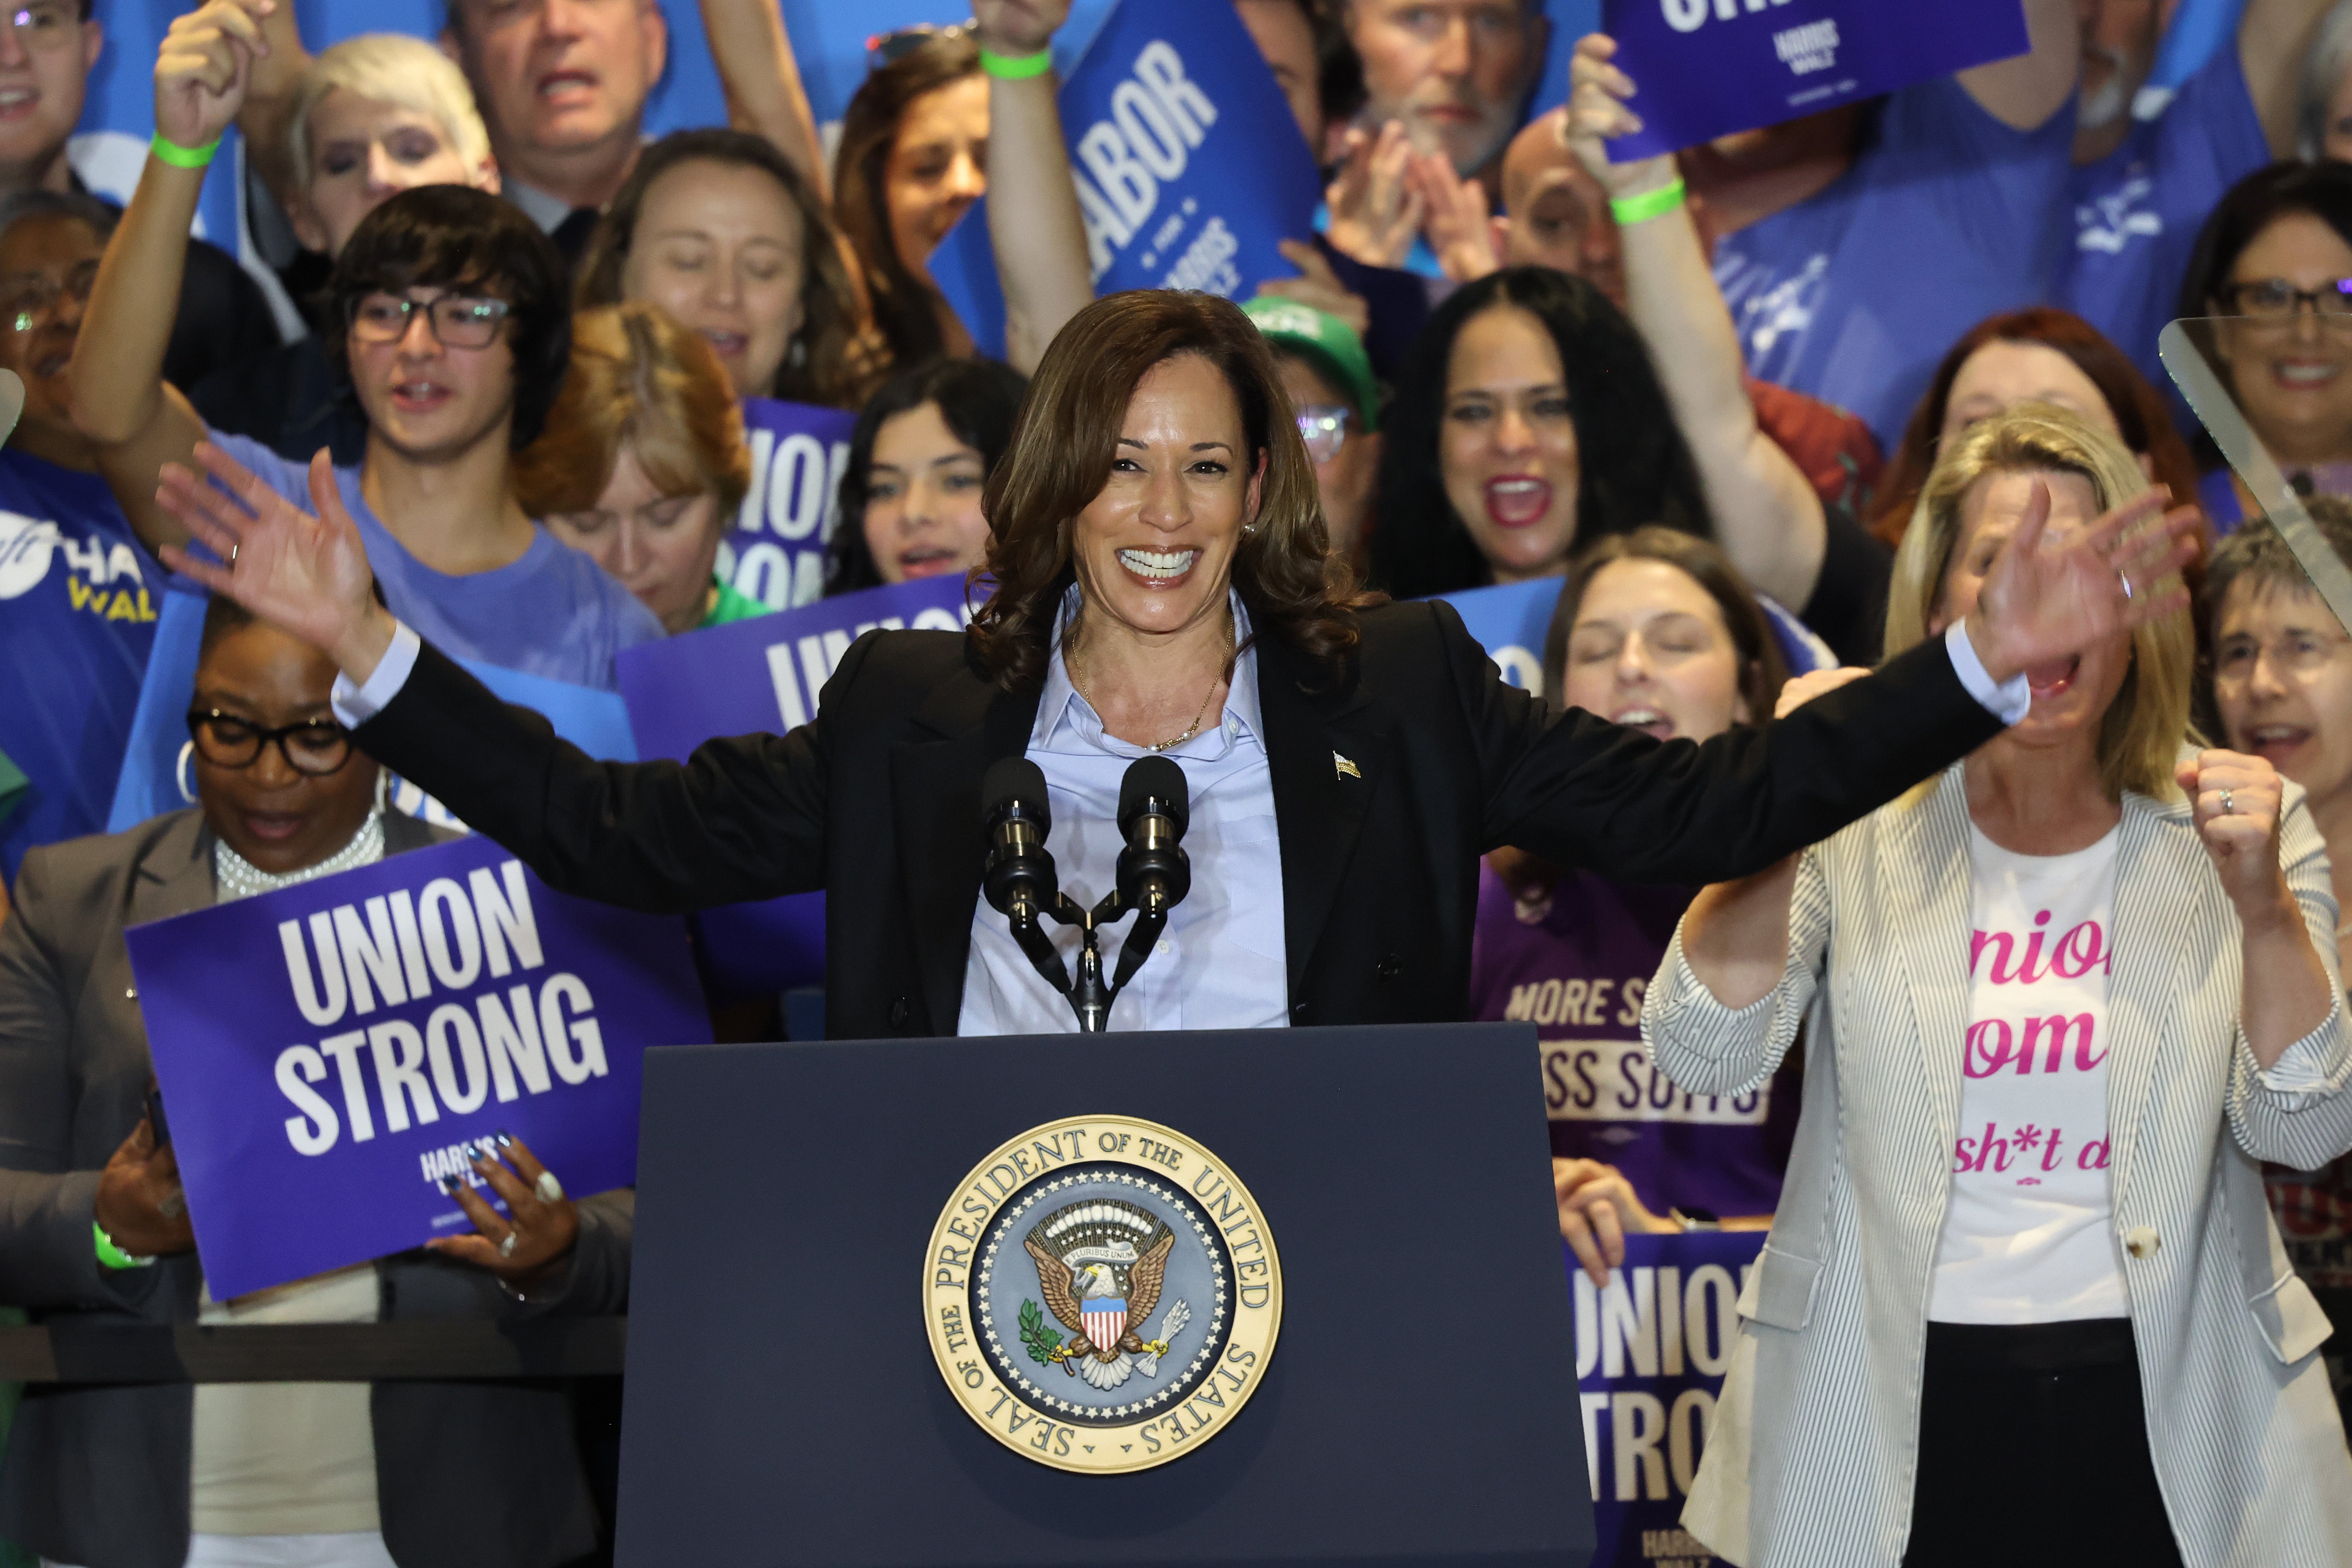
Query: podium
x=791 y=1401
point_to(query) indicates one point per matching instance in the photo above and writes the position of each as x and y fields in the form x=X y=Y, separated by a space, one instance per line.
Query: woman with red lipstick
x=2065 y=997
x=97 y=1233
x=2275 y=260
x=919 y=463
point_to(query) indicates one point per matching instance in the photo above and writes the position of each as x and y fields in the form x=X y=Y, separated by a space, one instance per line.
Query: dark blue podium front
x=783 y=1405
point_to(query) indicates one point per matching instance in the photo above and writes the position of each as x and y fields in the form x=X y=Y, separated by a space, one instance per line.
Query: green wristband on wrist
x=1016 y=67
x=1648 y=205
x=181 y=157
x=111 y=1256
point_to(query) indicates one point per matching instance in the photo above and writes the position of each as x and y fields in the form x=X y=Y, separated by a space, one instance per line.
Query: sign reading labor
x=766 y=674
x=1706 y=68
x=1651 y=1355
x=1188 y=166
x=331 y=1054
x=775 y=552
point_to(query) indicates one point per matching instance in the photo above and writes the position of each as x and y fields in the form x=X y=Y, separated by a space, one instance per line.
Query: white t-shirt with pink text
x=2028 y=1236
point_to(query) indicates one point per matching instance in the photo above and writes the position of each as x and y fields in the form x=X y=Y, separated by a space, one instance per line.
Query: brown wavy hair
x=901 y=301
x=2139 y=410
x=825 y=363
x=1063 y=444
x=1762 y=669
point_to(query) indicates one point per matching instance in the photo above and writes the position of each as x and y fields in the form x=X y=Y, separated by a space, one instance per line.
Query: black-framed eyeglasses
x=2276 y=299
x=1325 y=428
x=888 y=49
x=313 y=749
x=458 y=321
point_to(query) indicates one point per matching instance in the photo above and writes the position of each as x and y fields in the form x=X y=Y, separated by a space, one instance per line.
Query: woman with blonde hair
x=2065 y=998
x=643 y=462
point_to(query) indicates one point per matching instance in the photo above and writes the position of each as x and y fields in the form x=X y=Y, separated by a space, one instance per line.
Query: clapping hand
x=1376 y=205
x=308 y=575
x=2235 y=802
x=541 y=1223
x=203 y=67
x=2048 y=597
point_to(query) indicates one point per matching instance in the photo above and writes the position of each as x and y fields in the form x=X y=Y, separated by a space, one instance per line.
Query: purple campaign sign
x=1651 y=1355
x=775 y=552
x=764 y=675
x=1711 y=68
x=326 y=1051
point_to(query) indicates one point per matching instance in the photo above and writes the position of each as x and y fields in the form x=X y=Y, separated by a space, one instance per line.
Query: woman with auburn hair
x=643 y=462
x=1163 y=585
x=2073 y=991
x=2036 y=355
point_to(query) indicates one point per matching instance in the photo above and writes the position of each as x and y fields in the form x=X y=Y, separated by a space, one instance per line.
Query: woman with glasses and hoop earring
x=97 y=1231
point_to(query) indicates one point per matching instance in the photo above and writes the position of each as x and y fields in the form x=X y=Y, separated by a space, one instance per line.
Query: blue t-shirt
x=554 y=612
x=77 y=603
x=1946 y=217
x=2137 y=210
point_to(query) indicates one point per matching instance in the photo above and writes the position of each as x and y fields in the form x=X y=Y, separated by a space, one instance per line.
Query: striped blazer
x=1811 y=1460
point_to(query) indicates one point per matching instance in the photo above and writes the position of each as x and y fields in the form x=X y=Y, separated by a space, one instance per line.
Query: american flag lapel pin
x=1342 y=768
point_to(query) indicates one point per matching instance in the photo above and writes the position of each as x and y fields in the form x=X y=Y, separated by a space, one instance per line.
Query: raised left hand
x=1018 y=26
x=2235 y=799
x=1454 y=219
x=2048 y=597
x=536 y=1233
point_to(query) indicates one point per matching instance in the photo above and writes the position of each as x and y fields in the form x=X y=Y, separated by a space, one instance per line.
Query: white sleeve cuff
x=355 y=705
x=2007 y=701
x=2299 y=1069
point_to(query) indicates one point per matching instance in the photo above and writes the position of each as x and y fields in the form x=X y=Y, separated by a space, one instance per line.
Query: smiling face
x=363 y=151
x=720 y=247
x=1154 y=550
x=426 y=399
x=1349 y=479
x=1455 y=72
x=2294 y=377
x=278 y=818
x=922 y=507
x=44 y=63
x=2283 y=682
x=1506 y=446
x=2070 y=695
x=48 y=264
x=661 y=547
x=1650 y=648
x=558 y=76
x=2001 y=375
x=938 y=167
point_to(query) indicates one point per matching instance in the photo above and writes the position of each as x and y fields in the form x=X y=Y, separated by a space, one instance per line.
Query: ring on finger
x=2227 y=809
x=2125 y=578
x=549 y=1189
x=232 y=555
x=507 y=1245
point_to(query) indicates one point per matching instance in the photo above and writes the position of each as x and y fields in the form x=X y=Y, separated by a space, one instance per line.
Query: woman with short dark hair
x=1162 y=584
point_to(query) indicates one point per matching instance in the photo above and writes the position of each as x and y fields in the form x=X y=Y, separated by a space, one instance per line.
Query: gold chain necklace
x=1198 y=719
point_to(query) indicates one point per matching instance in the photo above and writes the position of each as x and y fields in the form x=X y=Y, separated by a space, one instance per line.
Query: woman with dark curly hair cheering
x=1162 y=584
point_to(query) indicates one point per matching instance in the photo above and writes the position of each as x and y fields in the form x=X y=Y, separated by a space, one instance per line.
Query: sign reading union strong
x=1102 y=1294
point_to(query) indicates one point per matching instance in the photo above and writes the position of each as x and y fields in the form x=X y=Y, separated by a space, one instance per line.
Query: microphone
x=1154 y=805
x=1019 y=877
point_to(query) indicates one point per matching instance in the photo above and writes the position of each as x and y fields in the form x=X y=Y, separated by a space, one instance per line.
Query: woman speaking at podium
x=1161 y=584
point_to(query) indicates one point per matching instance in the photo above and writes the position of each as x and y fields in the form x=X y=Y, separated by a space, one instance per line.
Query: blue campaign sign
x=1508 y=621
x=1651 y=1355
x=1189 y=165
x=156 y=776
x=775 y=550
x=329 y=1051
x=1710 y=68
x=758 y=676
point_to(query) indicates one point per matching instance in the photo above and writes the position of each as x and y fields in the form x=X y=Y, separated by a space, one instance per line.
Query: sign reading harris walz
x=330 y=1053
x=1710 y=68
x=1188 y=166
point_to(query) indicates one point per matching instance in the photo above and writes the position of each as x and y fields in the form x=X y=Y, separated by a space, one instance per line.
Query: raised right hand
x=1018 y=26
x=203 y=69
x=2047 y=597
x=1376 y=208
x=306 y=575
x=139 y=1204
x=1596 y=112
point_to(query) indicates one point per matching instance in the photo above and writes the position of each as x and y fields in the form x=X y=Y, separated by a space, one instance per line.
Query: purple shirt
x=1577 y=965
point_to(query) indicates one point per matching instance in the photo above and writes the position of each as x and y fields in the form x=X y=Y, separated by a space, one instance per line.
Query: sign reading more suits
x=1102 y=1294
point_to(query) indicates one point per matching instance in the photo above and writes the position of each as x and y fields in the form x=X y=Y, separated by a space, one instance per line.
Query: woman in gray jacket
x=94 y=1229
x=2023 y=1300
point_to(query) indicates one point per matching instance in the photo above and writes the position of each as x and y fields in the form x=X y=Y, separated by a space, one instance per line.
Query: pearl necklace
x=1198 y=719
x=239 y=877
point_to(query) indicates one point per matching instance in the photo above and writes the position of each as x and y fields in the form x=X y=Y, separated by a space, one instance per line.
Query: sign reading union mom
x=1102 y=1294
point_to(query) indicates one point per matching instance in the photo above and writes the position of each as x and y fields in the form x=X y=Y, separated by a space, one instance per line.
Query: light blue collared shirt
x=1221 y=964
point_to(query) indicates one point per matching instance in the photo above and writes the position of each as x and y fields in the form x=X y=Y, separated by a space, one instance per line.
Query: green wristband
x=1648 y=205
x=181 y=157
x=111 y=1256
x=1016 y=67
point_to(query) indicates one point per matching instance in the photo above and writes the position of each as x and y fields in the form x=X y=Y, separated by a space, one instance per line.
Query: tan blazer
x=1811 y=1462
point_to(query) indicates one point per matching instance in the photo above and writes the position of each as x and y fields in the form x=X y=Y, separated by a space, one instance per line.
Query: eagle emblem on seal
x=1100 y=1266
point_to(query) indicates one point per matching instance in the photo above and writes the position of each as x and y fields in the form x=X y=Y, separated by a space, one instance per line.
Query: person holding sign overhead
x=98 y=1233
x=1161 y=584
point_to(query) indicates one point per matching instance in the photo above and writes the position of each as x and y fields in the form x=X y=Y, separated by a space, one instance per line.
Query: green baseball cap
x=1325 y=342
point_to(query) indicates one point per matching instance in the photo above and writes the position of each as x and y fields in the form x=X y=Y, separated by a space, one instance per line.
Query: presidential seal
x=1102 y=1294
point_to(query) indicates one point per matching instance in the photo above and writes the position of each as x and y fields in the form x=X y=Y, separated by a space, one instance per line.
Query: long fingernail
x=505 y=1138
x=448 y=1185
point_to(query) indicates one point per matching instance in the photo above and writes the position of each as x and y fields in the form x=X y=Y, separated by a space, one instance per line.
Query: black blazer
x=878 y=802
